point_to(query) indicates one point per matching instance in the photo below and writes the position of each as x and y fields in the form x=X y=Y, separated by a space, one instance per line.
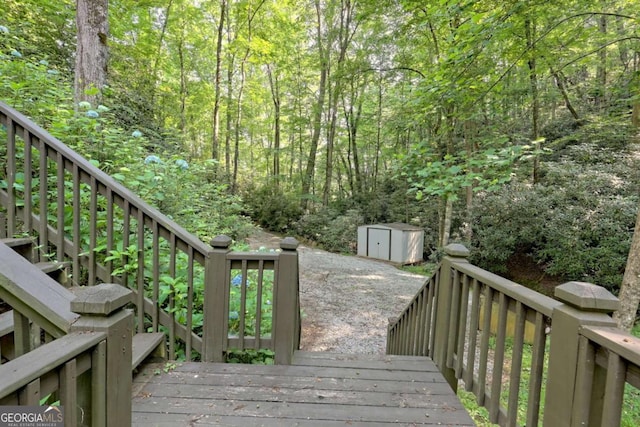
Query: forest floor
x=346 y=301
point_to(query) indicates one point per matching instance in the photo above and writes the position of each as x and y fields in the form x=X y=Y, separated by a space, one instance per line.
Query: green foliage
x=255 y=357
x=444 y=176
x=333 y=230
x=598 y=140
x=272 y=207
x=246 y=293
x=578 y=224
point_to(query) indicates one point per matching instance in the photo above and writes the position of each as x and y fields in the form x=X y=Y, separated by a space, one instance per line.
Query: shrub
x=577 y=225
x=332 y=230
x=271 y=207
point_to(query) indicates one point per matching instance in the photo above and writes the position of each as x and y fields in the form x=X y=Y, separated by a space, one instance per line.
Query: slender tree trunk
x=601 y=72
x=92 y=53
x=530 y=32
x=156 y=62
x=376 y=160
x=183 y=88
x=635 y=87
x=275 y=96
x=215 y=143
x=352 y=116
x=307 y=178
x=630 y=289
x=559 y=78
x=345 y=35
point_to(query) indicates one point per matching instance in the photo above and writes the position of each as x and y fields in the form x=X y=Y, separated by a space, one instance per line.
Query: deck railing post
x=584 y=304
x=442 y=328
x=216 y=301
x=102 y=310
x=286 y=322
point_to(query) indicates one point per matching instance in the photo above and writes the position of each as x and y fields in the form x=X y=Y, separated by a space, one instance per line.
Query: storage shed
x=396 y=242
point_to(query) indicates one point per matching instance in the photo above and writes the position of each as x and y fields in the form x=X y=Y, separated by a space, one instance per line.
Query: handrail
x=258 y=305
x=500 y=338
x=615 y=352
x=35 y=295
x=82 y=216
x=39 y=363
x=99 y=211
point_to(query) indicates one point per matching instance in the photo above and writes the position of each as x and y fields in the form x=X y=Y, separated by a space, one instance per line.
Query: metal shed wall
x=396 y=242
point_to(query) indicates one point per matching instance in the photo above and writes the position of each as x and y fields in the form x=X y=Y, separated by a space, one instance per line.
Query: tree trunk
x=92 y=53
x=530 y=32
x=445 y=231
x=559 y=78
x=215 y=143
x=307 y=178
x=601 y=72
x=275 y=96
x=630 y=289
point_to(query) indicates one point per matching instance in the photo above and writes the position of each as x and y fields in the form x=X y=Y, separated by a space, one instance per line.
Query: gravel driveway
x=346 y=300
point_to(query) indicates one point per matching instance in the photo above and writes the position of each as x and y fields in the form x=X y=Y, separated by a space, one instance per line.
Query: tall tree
x=630 y=288
x=215 y=138
x=323 y=52
x=92 y=53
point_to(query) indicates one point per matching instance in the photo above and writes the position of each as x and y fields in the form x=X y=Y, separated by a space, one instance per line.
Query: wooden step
x=56 y=270
x=6 y=323
x=21 y=245
x=145 y=345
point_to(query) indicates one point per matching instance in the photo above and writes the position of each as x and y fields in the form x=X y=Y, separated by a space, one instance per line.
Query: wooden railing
x=87 y=371
x=80 y=215
x=517 y=350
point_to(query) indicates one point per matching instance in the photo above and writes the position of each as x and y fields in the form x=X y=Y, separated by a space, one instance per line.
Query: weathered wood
x=20 y=372
x=371 y=390
x=33 y=293
x=567 y=321
x=56 y=270
x=6 y=323
x=146 y=343
x=21 y=245
x=102 y=310
x=286 y=316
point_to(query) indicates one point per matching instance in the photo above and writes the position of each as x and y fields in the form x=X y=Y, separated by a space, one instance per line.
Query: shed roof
x=396 y=226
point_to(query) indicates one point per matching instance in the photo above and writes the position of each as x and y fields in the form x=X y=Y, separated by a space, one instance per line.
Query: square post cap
x=221 y=242
x=587 y=297
x=289 y=244
x=100 y=300
x=456 y=250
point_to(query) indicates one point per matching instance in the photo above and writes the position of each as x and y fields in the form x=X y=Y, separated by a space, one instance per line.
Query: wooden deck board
x=323 y=390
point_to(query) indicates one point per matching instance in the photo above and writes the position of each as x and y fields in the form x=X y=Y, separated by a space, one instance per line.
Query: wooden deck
x=319 y=389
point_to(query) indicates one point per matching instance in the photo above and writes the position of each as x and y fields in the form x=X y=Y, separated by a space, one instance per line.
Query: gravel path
x=346 y=300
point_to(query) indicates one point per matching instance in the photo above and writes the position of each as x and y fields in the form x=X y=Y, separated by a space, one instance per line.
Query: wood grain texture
x=322 y=389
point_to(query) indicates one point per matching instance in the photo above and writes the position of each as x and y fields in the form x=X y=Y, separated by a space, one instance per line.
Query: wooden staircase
x=27 y=278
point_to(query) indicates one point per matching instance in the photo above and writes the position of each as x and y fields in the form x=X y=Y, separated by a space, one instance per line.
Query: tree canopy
x=323 y=114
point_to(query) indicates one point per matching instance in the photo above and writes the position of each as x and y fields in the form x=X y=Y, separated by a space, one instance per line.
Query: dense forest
x=510 y=126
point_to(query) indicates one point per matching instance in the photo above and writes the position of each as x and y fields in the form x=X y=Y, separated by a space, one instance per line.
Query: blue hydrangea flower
x=136 y=134
x=233 y=315
x=16 y=53
x=93 y=114
x=182 y=164
x=151 y=159
x=268 y=302
x=236 y=281
x=4 y=29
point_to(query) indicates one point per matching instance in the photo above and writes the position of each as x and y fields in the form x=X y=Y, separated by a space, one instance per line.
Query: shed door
x=379 y=243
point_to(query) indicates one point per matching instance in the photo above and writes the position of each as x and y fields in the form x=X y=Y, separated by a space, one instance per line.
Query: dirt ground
x=346 y=301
